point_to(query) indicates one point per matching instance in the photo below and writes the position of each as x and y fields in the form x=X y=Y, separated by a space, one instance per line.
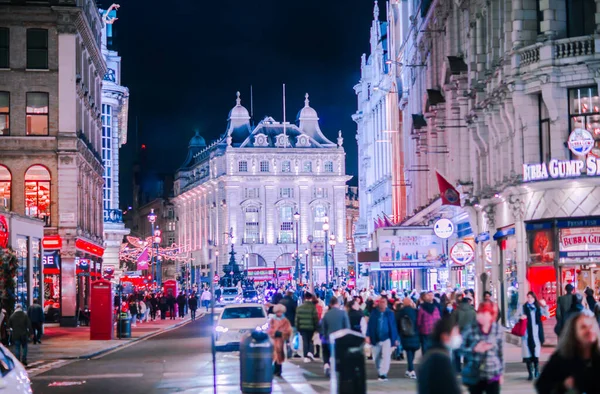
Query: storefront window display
x=36 y=269
x=510 y=292
x=23 y=271
x=579 y=253
x=37 y=193
x=540 y=272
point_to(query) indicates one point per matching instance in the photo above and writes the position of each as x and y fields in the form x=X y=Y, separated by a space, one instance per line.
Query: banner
x=541 y=245
x=142 y=262
x=51 y=262
x=409 y=249
x=577 y=243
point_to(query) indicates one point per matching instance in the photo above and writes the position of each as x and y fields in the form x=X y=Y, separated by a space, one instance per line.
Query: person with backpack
x=464 y=315
x=406 y=320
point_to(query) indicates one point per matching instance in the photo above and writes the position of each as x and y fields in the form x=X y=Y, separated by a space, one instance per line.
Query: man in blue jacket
x=382 y=334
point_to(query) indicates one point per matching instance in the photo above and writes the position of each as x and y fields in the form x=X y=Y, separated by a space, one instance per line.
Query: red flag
x=380 y=221
x=142 y=261
x=449 y=194
x=387 y=221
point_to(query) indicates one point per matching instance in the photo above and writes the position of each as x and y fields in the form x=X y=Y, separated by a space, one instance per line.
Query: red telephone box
x=170 y=287
x=101 y=310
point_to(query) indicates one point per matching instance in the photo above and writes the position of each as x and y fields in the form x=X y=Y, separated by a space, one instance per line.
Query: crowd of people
x=145 y=307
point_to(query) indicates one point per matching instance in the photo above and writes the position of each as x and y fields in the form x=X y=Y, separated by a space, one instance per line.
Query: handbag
x=520 y=328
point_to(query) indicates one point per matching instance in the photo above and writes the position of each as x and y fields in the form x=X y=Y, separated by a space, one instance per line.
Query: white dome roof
x=307 y=113
x=239 y=112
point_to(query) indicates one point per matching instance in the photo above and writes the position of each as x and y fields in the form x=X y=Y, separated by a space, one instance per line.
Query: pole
x=212 y=322
x=333 y=260
x=298 y=279
x=153 y=269
x=326 y=260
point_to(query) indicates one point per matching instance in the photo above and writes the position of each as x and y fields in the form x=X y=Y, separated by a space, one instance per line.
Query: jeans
x=410 y=360
x=425 y=343
x=37 y=332
x=485 y=387
x=382 y=353
x=307 y=342
x=326 y=353
x=21 y=343
x=153 y=313
x=206 y=304
x=181 y=310
x=193 y=314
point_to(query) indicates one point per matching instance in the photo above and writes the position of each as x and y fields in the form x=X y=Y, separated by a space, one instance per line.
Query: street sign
x=318 y=249
x=443 y=228
x=216 y=278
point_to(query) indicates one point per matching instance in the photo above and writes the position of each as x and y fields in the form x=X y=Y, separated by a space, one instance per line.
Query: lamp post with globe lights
x=326 y=230
x=309 y=266
x=152 y=219
x=297 y=221
x=157 y=241
x=332 y=243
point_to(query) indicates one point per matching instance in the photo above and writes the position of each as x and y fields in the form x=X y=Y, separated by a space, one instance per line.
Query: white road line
x=86 y=377
x=180 y=375
x=47 y=367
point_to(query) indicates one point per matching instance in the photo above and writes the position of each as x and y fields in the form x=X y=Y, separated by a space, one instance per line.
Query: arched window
x=286 y=224
x=285 y=260
x=5 y=183
x=37 y=193
x=252 y=225
x=255 y=260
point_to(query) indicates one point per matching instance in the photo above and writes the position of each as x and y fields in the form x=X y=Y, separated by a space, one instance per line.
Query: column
x=517 y=206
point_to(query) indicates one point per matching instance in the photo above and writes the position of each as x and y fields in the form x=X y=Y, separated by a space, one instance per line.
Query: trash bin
x=124 y=328
x=256 y=363
x=348 y=372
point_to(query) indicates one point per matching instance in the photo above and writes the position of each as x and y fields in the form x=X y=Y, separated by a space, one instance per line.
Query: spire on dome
x=376 y=11
x=306 y=100
x=238 y=100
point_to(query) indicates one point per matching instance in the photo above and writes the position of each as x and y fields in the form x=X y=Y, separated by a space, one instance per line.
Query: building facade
x=501 y=97
x=244 y=191
x=51 y=69
x=115 y=104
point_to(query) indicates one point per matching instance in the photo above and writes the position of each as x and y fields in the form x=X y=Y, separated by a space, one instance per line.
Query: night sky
x=184 y=60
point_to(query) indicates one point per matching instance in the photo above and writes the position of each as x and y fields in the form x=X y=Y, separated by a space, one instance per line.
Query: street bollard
x=256 y=363
x=348 y=373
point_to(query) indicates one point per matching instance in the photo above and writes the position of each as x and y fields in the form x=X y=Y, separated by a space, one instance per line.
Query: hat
x=279 y=308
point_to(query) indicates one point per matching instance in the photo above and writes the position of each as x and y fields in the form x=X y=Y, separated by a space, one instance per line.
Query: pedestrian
x=436 y=373
x=181 y=302
x=290 y=304
x=563 y=306
x=334 y=320
x=320 y=305
x=406 y=321
x=483 y=352
x=35 y=312
x=163 y=305
x=205 y=298
x=153 y=306
x=355 y=315
x=589 y=297
x=4 y=337
x=171 y=301
x=382 y=334
x=133 y=311
x=575 y=365
x=20 y=326
x=464 y=315
x=578 y=304
x=142 y=311
x=307 y=322
x=445 y=305
x=427 y=315
x=280 y=331
x=532 y=341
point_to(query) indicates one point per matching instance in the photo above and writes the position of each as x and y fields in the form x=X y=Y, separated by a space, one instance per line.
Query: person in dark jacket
x=382 y=334
x=589 y=297
x=171 y=301
x=36 y=315
x=406 y=320
x=355 y=315
x=153 y=306
x=193 y=305
x=290 y=306
x=334 y=320
x=436 y=372
x=464 y=315
x=20 y=325
x=563 y=306
x=181 y=301
x=532 y=341
x=576 y=307
x=163 y=305
x=307 y=322
x=575 y=365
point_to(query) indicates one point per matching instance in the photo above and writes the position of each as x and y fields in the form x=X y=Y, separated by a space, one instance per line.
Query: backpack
x=406 y=326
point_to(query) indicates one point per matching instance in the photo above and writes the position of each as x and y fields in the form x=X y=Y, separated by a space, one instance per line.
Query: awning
x=52 y=242
x=457 y=65
x=435 y=97
x=504 y=233
x=418 y=121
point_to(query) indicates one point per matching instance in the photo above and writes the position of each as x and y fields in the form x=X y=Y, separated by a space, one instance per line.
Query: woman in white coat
x=532 y=341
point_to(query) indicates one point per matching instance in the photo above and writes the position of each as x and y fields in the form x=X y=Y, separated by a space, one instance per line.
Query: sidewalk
x=69 y=343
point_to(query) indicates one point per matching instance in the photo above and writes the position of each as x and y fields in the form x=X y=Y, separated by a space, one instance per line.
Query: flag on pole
x=449 y=194
x=387 y=221
x=142 y=261
x=375 y=224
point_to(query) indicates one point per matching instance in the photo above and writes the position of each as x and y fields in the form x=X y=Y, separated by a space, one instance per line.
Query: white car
x=230 y=295
x=237 y=320
x=13 y=376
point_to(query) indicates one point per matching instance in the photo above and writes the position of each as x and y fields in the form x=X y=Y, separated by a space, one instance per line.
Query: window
x=37 y=49
x=37 y=113
x=580 y=17
x=4 y=48
x=37 y=193
x=545 y=137
x=264 y=166
x=308 y=166
x=4 y=113
x=320 y=192
x=243 y=312
x=540 y=16
x=106 y=154
x=251 y=229
x=171 y=226
x=251 y=192
x=243 y=166
x=286 y=224
x=584 y=113
x=286 y=192
x=319 y=214
x=5 y=184
x=328 y=166
x=286 y=166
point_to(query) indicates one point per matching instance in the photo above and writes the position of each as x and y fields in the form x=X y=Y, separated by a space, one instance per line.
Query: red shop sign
x=52 y=242
x=3 y=232
x=89 y=247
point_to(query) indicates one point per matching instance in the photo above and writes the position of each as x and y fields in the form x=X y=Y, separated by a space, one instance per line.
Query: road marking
x=88 y=377
x=63 y=384
x=47 y=367
x=180 y=375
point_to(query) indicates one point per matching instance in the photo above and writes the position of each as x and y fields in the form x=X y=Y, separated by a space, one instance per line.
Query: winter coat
x=285 y=328
x=532 y=341
x=181 y=300
x=464 y=315
x=563 y=306
x=193 y=302
x=427 y=315
x=482 y=366
x=35 y=313
x=307 y=318
x=171 y=300
x=559 y=368
x=206 y=296
x=334 y=320
x=373 y=326
x=290 y=308
x=411 y=342
x=436 y=373
x=20 y=324
x=355 y=317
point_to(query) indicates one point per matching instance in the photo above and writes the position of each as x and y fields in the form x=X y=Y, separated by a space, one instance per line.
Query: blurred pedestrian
x=307 y=322
x=280 y=330
x=193 y=305
x=575 y=365
x=436 y=373
x=483 y=352
x=334 y=320
x=355 y=315
x=563 y=306
x=21 y=329
x=181 y=303
x=589 y=297
x=36 y=315
x=406 y=321
x=427 y=315
x=532 y=341
x=382 y=334
x=205 y=298
x=153 y=306
x=171 y=301
x=464 y=316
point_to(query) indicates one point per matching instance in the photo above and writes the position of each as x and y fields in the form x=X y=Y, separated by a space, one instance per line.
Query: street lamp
x=326 y=229
x=247 y=258
x=297 y=220
x=157 y=241
x=332 y=243
x=152 y=219
x=309 y=266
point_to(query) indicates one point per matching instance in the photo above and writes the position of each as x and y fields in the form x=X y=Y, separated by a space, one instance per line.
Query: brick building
x=51 y=68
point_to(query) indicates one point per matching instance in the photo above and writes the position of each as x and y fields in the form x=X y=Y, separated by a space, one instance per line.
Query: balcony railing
x=113 y=216
x=286 y=240
x=252 y=241
x=557 y=52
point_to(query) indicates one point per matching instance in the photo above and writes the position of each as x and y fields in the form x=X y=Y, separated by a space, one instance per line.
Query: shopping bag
x=296 y=342
x=520 y=328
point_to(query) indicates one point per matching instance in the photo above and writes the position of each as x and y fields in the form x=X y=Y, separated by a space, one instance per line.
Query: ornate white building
x=115 y=99
x=246 y=187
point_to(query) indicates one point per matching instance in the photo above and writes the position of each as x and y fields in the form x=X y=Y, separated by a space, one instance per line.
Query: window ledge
x=38 y=69
x=4 y=69
x=25 y=137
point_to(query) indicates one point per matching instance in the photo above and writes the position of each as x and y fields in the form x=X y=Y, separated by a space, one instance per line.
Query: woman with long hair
x=575 y=365
x=532 y=341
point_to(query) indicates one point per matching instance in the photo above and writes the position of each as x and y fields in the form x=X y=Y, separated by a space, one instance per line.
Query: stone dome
x=197 y=141
x=307 y=113
x=239 y=111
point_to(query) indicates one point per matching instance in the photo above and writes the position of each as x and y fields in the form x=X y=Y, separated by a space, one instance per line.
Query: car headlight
x=221 y=329
x=254 y=298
